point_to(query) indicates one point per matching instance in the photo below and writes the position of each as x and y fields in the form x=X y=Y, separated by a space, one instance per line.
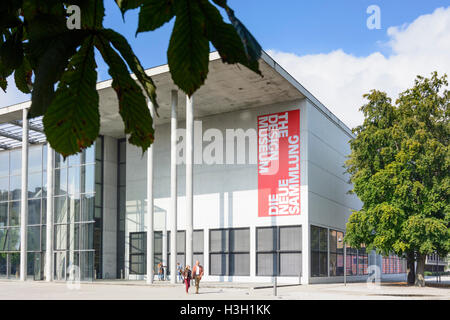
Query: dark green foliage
x=36 y=44
x=399 y=166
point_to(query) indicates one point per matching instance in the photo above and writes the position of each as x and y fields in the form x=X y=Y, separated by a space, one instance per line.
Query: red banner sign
x=279 y=164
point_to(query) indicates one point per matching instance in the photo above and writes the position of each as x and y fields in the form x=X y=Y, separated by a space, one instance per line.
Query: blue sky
x=296 y=26
x=324 y=44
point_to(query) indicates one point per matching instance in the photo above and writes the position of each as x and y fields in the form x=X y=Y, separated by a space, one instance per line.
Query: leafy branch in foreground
x=43 y=53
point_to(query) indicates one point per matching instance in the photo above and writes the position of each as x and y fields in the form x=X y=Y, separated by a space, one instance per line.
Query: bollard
x=275 y=286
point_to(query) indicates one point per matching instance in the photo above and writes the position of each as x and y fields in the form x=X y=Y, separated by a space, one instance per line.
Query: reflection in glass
x=87 y=176
x=15 y=187
x=4 y=163
x=74 y=160
x=60 y=265
x=87 y=236
x=4 y=188
x=59 y=161
x=44 y=157
x=74 y=210
x=35 y=185
x=3 y=239
x=3 y=214
x=60 y=181
x=34 y=238
x=74 y=180
x=3 y=261
x=60 y=210
x=34 y=211
x=15 y=161
x=44 y=211
x=14 y=213
x=89 y=154
x=14 y=239
x=35 y=158
x=60 y=237
x=14 y=265
x=87 y=210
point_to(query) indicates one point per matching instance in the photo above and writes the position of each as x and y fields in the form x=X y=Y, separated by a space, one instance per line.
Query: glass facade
x=356 y=260
x=279 y=251
x=77 y=212
x=319 y=252
x=229 y=252
x=78 y=203
x=138 y=251
x=393 y=264
x=10 y=195
x=336 y=253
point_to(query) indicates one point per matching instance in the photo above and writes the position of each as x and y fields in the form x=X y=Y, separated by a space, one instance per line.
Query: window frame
x=277 y=251
x=143 y=253
x=228 y=253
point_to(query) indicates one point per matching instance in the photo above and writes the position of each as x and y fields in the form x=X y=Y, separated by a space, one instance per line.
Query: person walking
x=179 y=271
x=187 y=276
x=160 y=271
x=198 y=274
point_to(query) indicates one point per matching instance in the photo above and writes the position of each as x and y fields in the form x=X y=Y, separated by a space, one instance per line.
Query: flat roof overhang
x=227 y=88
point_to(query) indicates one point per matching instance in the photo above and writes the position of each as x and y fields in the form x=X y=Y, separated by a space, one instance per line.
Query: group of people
x=185 y=275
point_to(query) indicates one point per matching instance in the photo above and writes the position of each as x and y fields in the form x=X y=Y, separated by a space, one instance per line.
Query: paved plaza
x=113 y=290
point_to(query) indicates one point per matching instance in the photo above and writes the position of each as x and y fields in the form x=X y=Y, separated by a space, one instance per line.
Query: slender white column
x=173 y=189
x=49 y=230
x=164 y=244
x=189 y=179
x=24 y=198
x=150 y=208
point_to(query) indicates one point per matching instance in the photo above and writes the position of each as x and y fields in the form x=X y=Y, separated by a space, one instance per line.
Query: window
x=278 y=251
x=229 y=252
x=393 y=264
x=138 y=249
x=363 y=261
x=198 y=246
x=336 y=253
x=319 y=252
x=181 y=249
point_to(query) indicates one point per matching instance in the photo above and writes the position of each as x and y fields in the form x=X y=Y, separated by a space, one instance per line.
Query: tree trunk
x=420 y=272
x=410 y=268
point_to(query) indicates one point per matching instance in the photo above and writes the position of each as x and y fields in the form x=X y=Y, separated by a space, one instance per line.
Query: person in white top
x=198 y=274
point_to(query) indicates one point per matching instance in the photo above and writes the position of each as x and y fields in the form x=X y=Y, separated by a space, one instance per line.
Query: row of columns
x=150 y=197
x=24 y=205
x=173 y=190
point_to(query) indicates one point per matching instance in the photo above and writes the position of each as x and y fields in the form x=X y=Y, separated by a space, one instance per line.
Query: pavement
x=139 y=290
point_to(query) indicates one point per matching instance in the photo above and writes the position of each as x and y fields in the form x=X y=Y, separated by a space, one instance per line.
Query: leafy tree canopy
x=43 y=53
x=399 y=167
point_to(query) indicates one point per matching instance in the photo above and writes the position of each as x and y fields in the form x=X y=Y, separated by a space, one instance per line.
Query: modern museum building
x=245 y=176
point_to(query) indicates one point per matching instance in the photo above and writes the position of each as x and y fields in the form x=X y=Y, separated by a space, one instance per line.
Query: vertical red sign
x=279 y=164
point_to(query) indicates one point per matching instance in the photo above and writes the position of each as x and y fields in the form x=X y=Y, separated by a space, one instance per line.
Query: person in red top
x=197 y=274
x=187 y=275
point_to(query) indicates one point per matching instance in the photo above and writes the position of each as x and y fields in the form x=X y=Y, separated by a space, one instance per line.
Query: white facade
x=225 y=192
x=226 y=195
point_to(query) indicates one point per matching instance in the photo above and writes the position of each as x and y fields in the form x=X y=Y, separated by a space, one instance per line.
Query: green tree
x=37 y=45
x=399 y=167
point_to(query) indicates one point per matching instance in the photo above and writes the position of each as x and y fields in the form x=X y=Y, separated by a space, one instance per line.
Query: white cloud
x=339 y=79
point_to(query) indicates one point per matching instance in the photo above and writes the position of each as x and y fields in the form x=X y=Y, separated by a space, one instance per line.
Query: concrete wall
x=109 y=243
x=329 y=204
